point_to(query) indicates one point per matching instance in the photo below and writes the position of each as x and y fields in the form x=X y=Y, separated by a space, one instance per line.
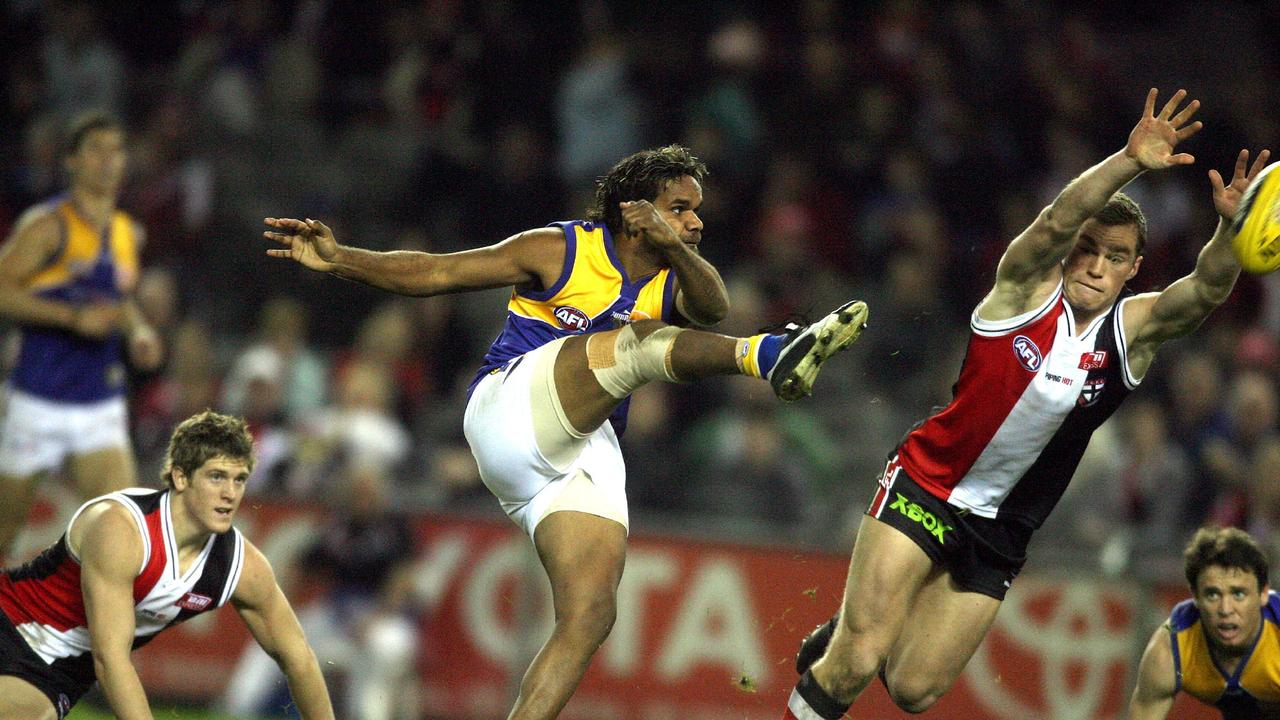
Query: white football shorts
x=37 y=434
x=528 y=454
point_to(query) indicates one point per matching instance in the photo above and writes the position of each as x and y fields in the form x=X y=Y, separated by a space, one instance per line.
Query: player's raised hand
x=1153 y=139
x=1226 y=196
x=641 y=218
x=309 y=242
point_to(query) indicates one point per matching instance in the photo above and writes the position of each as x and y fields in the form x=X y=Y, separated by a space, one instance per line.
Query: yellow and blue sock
x=758 y=354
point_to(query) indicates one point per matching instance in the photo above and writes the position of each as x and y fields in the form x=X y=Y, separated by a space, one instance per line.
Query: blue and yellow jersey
x=1253 y=690
x=89 y=266
x=593 y=293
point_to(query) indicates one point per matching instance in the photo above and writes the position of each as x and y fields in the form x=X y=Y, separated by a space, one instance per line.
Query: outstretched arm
x=1157 y=683
x=270 y=618
x=1028 y=270
x=1154 y=318
x=532 y=257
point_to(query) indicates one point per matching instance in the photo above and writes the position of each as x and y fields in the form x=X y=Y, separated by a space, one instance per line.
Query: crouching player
x=135 y=562
x=1222 y=646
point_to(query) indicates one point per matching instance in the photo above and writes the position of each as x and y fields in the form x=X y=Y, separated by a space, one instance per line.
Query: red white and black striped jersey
x=1030 y=394
x=44 y=602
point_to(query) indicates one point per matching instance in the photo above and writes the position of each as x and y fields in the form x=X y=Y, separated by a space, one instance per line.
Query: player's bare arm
x=110 y=549
x=534 y=257
x=34 y=240
x=142 y=341
x=271 y=621
x=1153 y=318
x=1154 y=693
x=700 y=292
x=1030 y=268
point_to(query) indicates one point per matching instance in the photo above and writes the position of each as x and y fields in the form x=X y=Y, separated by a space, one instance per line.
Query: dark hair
x=86 y=123
x=1122 y=210
x=642 y=176
x=204 y=436
x=1225 y=547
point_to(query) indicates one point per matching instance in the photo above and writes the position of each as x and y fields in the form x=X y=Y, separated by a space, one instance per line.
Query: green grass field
x=85 y=711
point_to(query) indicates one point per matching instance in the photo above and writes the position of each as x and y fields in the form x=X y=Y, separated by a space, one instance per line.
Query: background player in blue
x=592 y=317
x=1223 y=645
x=67 y=272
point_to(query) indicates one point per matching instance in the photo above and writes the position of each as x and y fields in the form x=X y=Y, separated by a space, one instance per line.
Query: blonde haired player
x=134 y=563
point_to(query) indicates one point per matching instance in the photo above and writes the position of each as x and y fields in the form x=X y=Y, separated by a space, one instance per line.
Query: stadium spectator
x=362 y=627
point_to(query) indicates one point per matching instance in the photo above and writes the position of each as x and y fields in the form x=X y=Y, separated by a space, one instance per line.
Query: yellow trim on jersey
x=1200 y=676
x=1202 y=679
x=1261 y=677
x=649 y=301
x=593 y=286
x=82 y=245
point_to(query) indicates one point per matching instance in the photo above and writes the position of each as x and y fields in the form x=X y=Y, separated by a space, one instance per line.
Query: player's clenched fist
x=641 y=218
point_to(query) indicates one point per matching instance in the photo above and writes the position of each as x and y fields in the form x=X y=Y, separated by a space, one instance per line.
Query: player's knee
x=914 y=692
x=645 y=328
x=624 y=360
x=852 y=660
x=591 y=620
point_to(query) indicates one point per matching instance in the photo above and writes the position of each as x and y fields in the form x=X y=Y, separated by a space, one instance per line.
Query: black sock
x=818 y=699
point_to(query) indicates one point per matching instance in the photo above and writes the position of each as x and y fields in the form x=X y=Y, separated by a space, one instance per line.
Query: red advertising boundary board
x=705 y=631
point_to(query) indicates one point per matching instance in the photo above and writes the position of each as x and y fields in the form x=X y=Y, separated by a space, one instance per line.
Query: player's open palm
x=1226 y=196
x=309 y=242
x=1153 y=139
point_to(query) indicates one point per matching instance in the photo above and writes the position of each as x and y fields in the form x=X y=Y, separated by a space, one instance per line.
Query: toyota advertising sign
x=705 y=631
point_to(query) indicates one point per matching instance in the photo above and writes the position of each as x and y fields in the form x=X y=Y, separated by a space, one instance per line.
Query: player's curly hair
x=642 y=176
x=204 y=436
x=1225 y=547
x=1122 y=210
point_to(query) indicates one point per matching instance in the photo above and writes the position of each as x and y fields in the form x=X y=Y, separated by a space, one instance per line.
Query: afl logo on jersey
x=1024 y=348
x=572 y=319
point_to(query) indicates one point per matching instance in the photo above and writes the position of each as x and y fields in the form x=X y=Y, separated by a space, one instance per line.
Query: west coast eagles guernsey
x=1253 y=690
x=593 y=293
x=43 y=600
x=55 y=363
x=1031 y=392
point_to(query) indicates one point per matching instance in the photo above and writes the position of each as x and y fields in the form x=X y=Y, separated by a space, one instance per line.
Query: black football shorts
x=983 y=555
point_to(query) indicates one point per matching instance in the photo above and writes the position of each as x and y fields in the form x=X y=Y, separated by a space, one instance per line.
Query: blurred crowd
x=886 y=151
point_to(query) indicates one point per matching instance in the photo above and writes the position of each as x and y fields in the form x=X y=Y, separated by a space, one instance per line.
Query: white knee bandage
x=626 y=363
